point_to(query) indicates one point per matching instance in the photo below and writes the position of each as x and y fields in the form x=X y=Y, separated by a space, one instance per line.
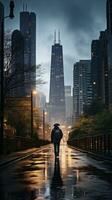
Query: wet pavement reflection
x=42 y=177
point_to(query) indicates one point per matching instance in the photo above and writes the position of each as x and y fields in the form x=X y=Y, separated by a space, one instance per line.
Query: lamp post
x=32 y=94
x=44 y=114
x=2 y=98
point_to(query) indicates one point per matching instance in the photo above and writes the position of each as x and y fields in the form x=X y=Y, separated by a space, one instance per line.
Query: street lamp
x=44 y=115
x=2 y=98
x=11 y=15
x=33 y=92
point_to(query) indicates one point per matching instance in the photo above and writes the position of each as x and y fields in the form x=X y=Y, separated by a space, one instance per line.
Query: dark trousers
x=56 y=149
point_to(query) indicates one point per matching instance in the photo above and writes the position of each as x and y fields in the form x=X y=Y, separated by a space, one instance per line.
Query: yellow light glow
x=45 y=113
x=63 y=126
x=69 y=127
x=34 y=92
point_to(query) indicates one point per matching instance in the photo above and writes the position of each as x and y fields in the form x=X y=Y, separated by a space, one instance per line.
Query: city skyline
x=61 y=149
x=78 y=29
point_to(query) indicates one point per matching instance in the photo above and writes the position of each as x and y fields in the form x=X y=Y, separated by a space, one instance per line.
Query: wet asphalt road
x=74 y=176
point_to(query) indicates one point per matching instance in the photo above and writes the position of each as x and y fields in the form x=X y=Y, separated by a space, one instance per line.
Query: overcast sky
x=79 y=21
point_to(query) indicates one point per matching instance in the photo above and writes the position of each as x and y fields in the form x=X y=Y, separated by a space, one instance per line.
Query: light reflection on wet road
x=41 y=177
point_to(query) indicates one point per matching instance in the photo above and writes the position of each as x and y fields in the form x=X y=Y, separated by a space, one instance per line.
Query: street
x=40 y=177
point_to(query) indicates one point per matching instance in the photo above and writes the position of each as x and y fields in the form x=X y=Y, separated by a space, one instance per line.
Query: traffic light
x=11 y=15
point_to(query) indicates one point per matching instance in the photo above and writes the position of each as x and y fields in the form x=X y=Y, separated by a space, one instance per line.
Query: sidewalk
x=94 y=155
x=6 y=159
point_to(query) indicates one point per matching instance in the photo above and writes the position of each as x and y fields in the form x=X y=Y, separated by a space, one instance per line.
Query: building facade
x=57 y=92
x=82 y=88
x=109 y=16
x=17 y=64
x=95 y=72
x=99 y=68
x=28 y=30
x=69 y=104
x=104 y=82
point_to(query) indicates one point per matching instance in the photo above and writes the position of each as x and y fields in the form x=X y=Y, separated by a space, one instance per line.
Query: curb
x=96 y=156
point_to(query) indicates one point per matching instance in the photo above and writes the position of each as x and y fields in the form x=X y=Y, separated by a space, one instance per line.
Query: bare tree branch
x=15 y=78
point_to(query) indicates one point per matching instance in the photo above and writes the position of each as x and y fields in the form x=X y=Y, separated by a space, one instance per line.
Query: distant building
x=41 y=100
x=103 y=76
x=95 y=71
x=69 y=104
x=57 y=92
x=99 y=68
x=17 y=64
x=48 y=109
x=28 y=30
x=82 y=89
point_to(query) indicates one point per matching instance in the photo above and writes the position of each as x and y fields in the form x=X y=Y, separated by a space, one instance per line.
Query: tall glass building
x=82 y=88
x=28 y=30
x=57 y=92
x=109 y=16
x=17 y=62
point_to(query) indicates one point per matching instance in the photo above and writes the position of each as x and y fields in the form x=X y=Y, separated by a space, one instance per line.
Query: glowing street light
x=33 y=93
x=69 y=127
x=44 y=117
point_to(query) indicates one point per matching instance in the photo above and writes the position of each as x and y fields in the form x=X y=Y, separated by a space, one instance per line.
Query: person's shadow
x=56 y=189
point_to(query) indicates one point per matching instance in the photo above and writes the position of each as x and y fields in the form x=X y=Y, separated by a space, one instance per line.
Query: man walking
x=56 y=136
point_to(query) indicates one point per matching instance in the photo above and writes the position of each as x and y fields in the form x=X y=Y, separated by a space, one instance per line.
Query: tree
x=18 y=115
x=17 y=111
x=13 y=78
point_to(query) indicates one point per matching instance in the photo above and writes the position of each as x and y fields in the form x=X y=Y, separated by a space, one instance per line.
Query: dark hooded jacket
x=56 y=135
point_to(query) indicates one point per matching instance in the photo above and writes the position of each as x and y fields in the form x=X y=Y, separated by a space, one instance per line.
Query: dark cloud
x=82 y=18
x=77 y=15
x=80 y=21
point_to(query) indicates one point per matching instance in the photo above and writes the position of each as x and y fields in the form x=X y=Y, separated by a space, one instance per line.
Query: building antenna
x=55 y=37
x=59 y=39
x=23 y=6
x=26 y=7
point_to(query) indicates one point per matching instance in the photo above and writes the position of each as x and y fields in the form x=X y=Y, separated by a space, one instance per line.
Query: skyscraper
x=17 y=63
x=82 y=89
x=57 y=92
x=28 y=30
x=99 y=68
x=76 y=91
x=109 y=16
x=95 y=69
x=103 y=75
x=69 y=104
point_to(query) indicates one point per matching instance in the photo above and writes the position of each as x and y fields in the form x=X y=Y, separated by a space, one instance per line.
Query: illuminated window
x=94 y=83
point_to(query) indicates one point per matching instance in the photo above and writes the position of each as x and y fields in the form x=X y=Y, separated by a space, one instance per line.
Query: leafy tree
x=18 y=115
